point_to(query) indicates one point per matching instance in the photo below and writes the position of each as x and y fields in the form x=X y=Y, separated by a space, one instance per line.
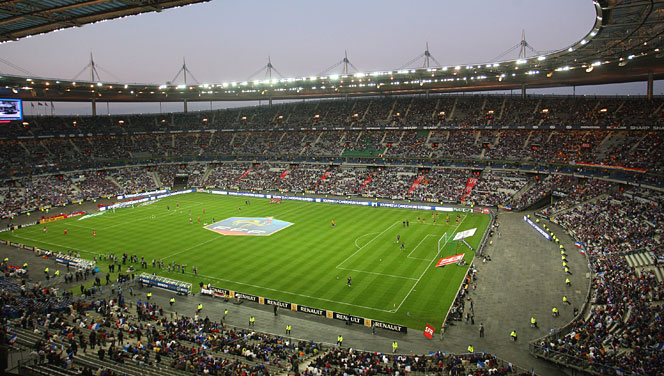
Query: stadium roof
x=22 y=18
x=624 y=44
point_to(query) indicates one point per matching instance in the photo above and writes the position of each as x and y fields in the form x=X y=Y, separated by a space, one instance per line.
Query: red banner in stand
x=449 y=260
x=428 y=331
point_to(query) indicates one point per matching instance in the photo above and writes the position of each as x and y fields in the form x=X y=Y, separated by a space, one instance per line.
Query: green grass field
x=307 y=263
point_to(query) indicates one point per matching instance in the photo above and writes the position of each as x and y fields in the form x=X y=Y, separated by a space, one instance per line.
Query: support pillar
x=185 y=106
x=94 y=106
x=523 y=91
x=650 y=85
x=427 y=94
x=269 y=102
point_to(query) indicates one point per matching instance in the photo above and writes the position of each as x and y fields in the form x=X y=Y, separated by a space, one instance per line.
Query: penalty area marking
x=418 y=244
x=370 y=233
x=369 y=242
x=431 y=263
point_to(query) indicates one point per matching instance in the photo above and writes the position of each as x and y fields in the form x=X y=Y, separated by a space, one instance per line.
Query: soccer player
x=190 y=221
x=44 y=229
x=403 y=245
x=198 y=219
x=333 y=224
x=398 y=238
x=447 y=219
x=94 y=233
x=349 y=281
x=65 y=231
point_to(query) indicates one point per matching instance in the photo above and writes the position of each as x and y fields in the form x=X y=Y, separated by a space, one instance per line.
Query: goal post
x=441 y=242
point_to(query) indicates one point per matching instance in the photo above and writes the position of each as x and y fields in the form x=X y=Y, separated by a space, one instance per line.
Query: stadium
x=429 y=220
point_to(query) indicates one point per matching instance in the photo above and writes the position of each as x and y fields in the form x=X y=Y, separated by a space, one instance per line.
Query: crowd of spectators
x=571 y=192
x=353 y=362
x=621 y=334
x=496 y=188
x=634 y=149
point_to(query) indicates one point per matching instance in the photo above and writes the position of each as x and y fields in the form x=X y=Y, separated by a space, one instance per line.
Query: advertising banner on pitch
x=449 y=260
x=428 y=331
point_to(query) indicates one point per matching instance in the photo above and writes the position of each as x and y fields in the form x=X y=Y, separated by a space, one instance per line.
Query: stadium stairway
x=206 y=174
x=523 y=190
x=156 y=179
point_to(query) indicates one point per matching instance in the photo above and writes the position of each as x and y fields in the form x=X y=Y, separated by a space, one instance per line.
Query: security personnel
x=533 y=322
x=46 y=270
x=568 y=282
x=564 y=264
x=566 y=301
x=25 y=265
x=225 y=314
x=57 y=273
x=513 y=335
x=200 y=307
x=340 y=340
x=471 y=349
x=567 y=270
x=149 y=295
x=252 y=320
x=288 y=329
x=395 y=346
x=6 y=260
x=172 y=301
x=554 y=312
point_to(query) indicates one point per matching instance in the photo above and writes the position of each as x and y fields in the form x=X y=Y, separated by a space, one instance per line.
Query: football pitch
x=305 y=260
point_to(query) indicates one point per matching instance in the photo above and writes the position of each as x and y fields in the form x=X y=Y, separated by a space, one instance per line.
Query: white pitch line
x=56 y=244
x=418 y=244
x=293 y=293
x=369 y=242
x=139 y=219
x=190 y=248
x=381 y=274
x=369 y=233
x=431 y=263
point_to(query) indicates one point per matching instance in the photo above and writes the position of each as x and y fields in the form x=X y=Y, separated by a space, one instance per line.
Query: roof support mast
x=184 y=70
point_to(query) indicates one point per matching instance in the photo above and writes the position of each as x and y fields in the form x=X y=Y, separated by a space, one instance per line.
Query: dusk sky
x=229 y=41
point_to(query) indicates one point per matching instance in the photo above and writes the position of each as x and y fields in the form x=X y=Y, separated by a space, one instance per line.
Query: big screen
x=11 y=109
